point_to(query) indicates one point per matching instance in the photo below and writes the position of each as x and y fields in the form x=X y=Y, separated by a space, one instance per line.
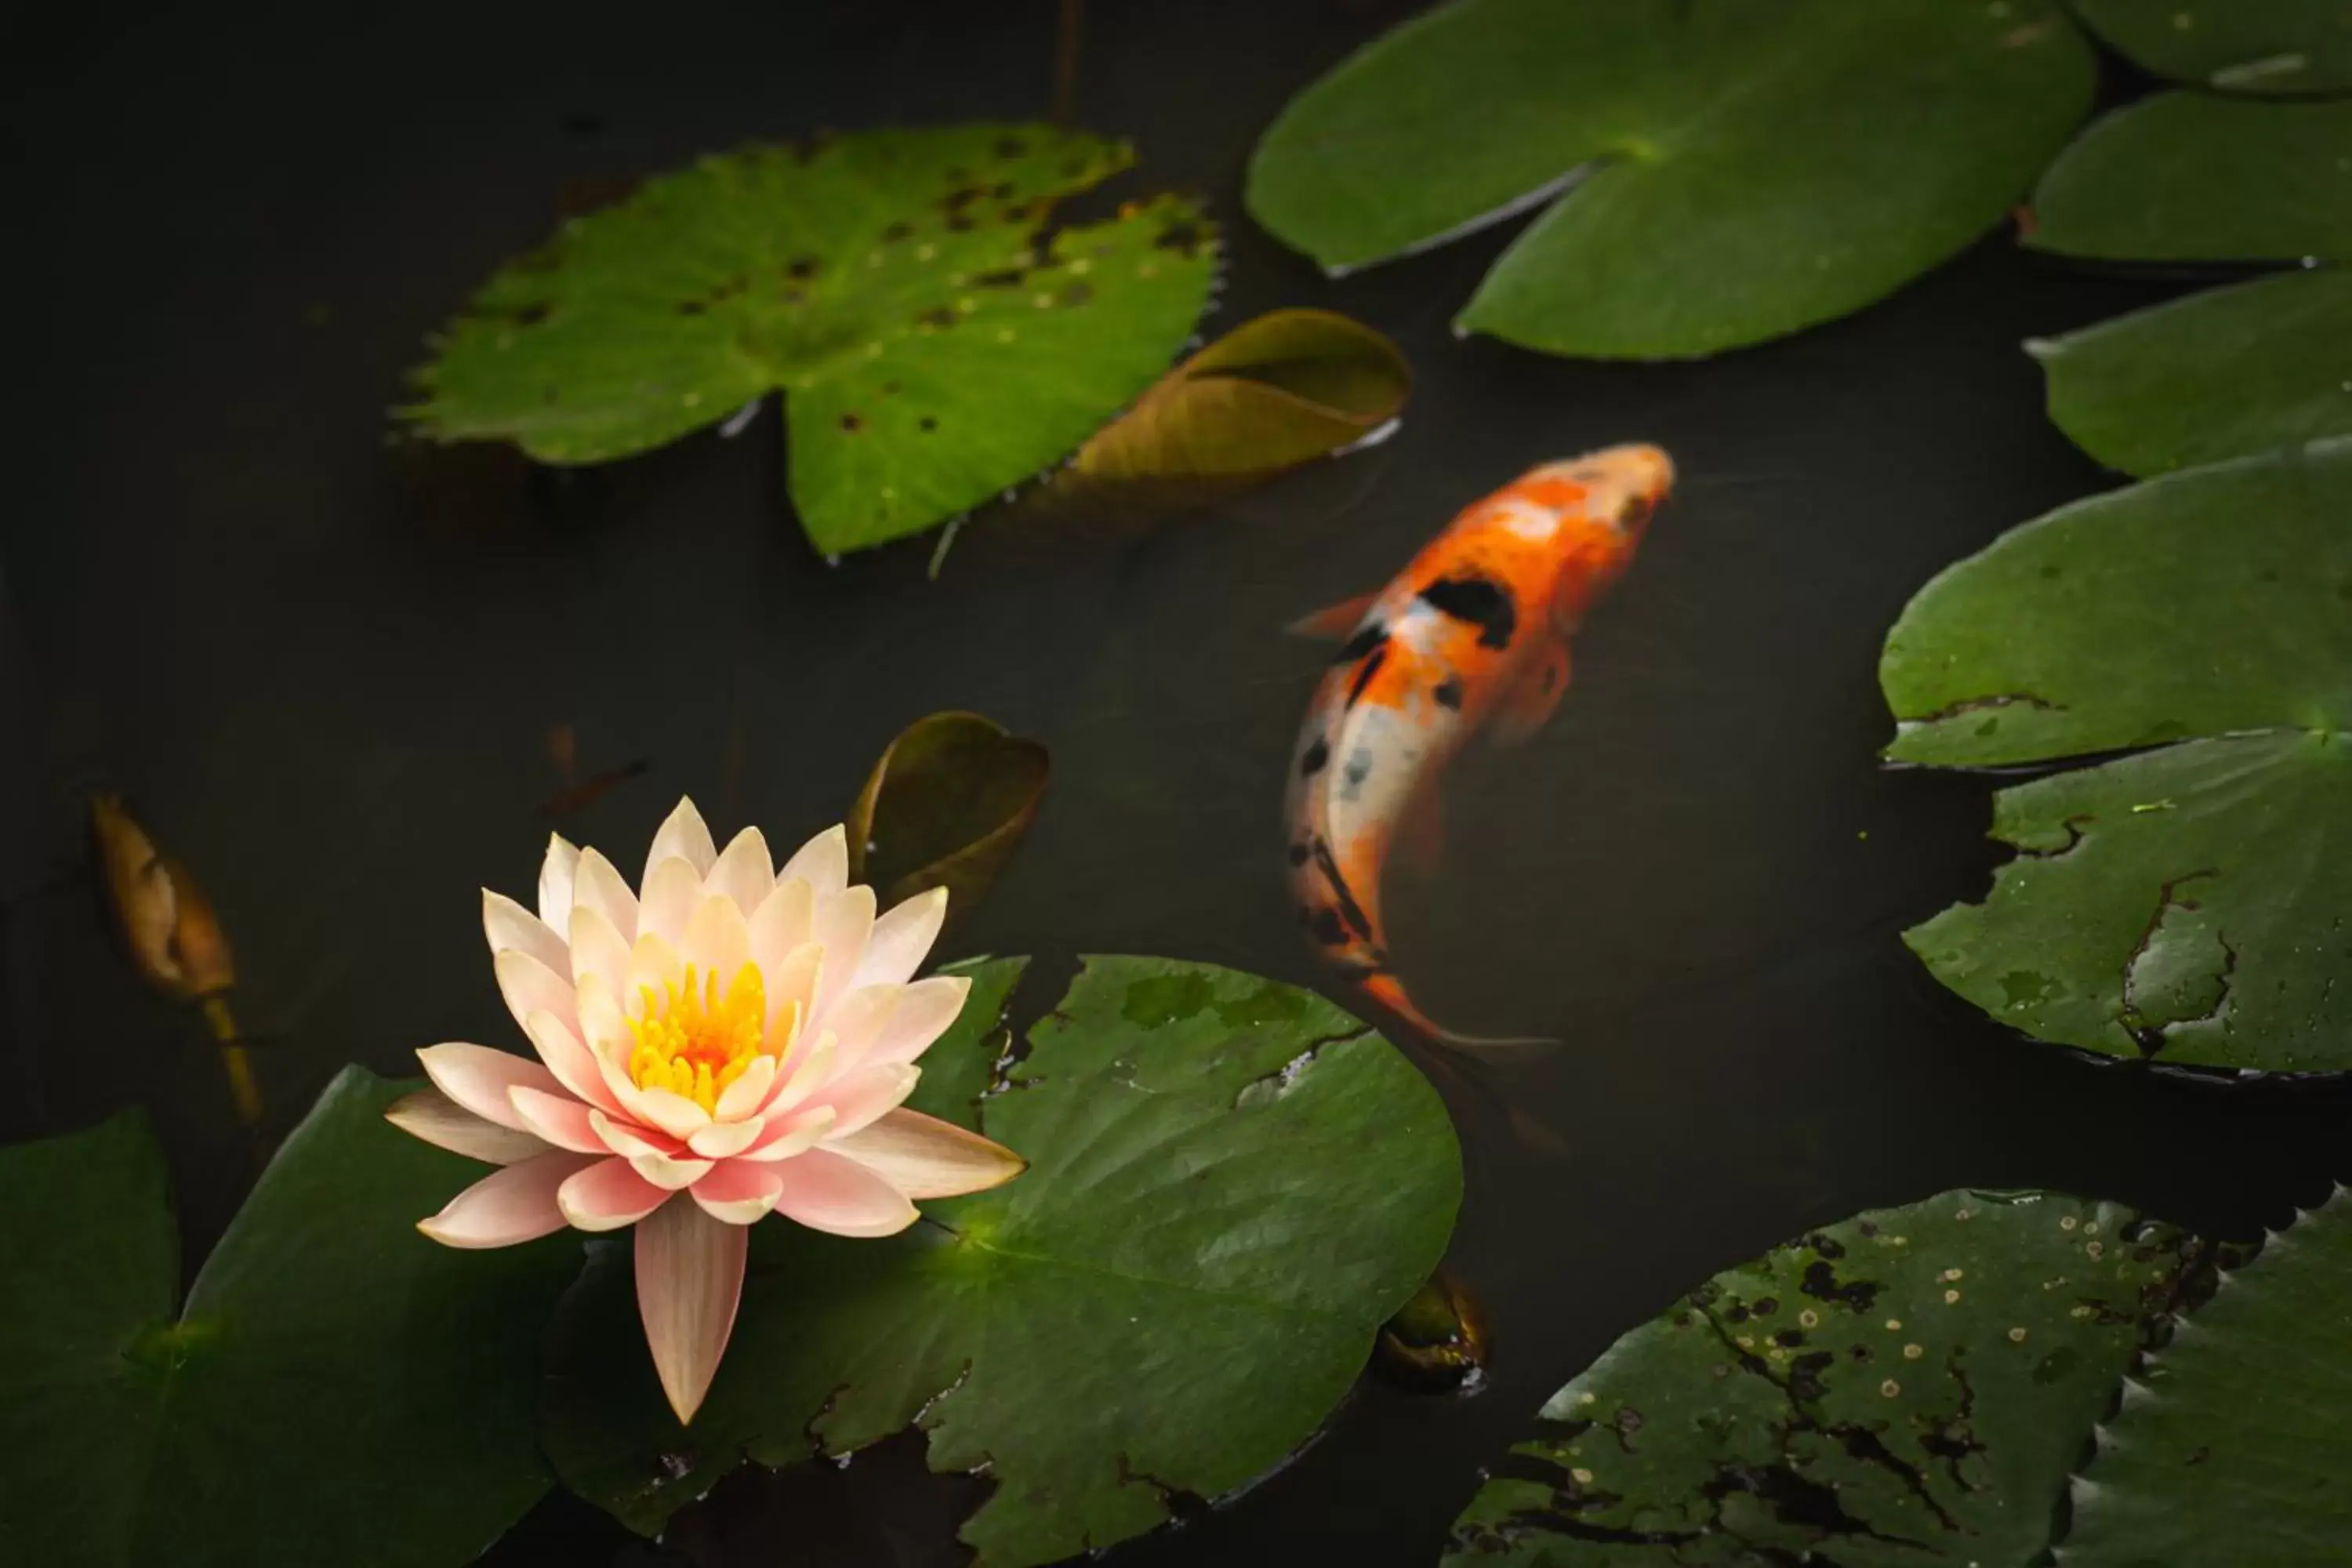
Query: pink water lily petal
x=513 y=1204
x=598 y=952
x=441 y=1121
x=573 y=1065
x=902 y=940
x=605 y=1194
x=718 y=941
x=790 y=1133
x=860 y=1096
x=856 y=1021
x=791 y=993
x=925 y=1010
x=672 y=890
x=629 y=1141
x=558 y=1118
x=477 y=1078
x=671 y=1112
x=844 y=922
x=724 y=1140
x=690 y=1279
x=830 y=1192
x=555 y=874
x=506 y=924
x=743 y=872
x=739 y=1192
x=595 y=885
x=803 y=1073
x=529 y=986
x=782 y=922
x=685 y=834
x=925 y=1157
x=748 y=1093
x=823 y=863
x=667 y=1173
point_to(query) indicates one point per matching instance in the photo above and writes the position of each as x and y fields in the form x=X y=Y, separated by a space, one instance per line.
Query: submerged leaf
x=2180 y=903
x=1732 y=172
x=2230 y=1448
x=945 y=805
x=1437 y=1340
x=1906 y=1389
x=2225 y=373
x=2237 y=46
x=337 y=1390
x=2187 y=176
x=1231 y=1185
x=934 y=337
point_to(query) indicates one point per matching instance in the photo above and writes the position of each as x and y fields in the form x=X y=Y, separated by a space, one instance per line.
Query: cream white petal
x=844 y=922
x=555 y=874
x=782 y=922
x=790 y=1133
x=603 y=1026
x=792 y=992
x=558 y=1118
x=655 y=969
x=743 y=872
x=628 y=1139
x=672 y=890
x=670 y=1173
x=441 y=1121
x=718 y=940
x=660 y=1107
x=860 y=1097
x=924 y=1157
x=506 y=924
x=597 y=949
x=690 y=1279
x=857 y=1021
x=529 y=986
x=573 y=1065
x=806 y=1071
x=749 y=1092
x=823 y=862
x=477 y=1078
x=725 y=1140
x=596 y=885
x=685 y=834
x=739 y=1192
x=902 y=940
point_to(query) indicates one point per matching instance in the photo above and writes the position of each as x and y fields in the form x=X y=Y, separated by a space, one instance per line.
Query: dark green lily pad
x=1906 y=1389
x=948 y=801
x=2232 y=1445
x=2180 y=903
x=1733 y=171
x=2237 y=46
x=2225 y=373
x=336 y=1390
x=2188 y=176
x=936 y=340
x=1231 y=1185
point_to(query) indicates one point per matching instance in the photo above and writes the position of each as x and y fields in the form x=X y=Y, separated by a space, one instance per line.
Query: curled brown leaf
x=945 y=806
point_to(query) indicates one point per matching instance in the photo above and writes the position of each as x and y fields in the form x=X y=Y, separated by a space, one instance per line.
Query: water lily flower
x=725 y=1040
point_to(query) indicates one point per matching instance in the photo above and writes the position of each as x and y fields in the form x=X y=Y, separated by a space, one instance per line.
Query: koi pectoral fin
x=1531 y=699
x=1333 y=624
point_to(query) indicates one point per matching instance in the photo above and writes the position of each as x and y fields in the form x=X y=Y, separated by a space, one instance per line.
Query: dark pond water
x=326 y=668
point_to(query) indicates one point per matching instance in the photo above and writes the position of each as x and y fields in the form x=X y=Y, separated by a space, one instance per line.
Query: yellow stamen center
x=697 y=1041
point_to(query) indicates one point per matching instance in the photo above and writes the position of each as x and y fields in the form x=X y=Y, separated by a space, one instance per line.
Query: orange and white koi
x=1474 y=633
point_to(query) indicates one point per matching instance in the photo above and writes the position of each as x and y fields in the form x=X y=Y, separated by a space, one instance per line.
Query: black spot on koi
x=1474 y=601
x=1449 y=693
x=1316 y=756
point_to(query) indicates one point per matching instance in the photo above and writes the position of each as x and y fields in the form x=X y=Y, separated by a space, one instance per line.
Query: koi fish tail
x=1390 y=992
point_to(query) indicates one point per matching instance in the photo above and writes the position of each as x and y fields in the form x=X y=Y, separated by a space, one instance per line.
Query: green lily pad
x=2188 y=176
x=1231 y=1185
x=1732 y=172
x=336 y=1390
x=936 y=340
x=2231 y=1445
x=1906 y=1389
x=948 y=801
x=2177 y=903
x=2224 y=374
x=2237 y=46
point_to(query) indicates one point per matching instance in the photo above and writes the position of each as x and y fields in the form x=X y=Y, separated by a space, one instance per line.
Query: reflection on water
x=326 y=671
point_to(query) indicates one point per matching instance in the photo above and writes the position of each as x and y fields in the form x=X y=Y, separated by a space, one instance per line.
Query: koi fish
x=1471 y=635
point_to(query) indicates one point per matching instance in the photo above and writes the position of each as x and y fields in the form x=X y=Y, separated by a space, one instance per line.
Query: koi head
x=1617 y=486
